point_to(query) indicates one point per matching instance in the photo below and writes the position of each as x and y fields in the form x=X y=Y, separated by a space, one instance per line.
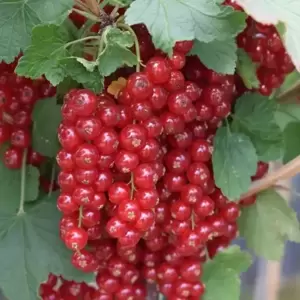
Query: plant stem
x=293 y=91
x=132 y=187
x=52 y=179
x=81 y=5
x=7 y=118
x=103 y=3
x=93 y=7
x=87 y=38
x=80 y=216
x=114 y=12
x=136 y=43
x=23 y=183
x=285 y=172
x=86 y=15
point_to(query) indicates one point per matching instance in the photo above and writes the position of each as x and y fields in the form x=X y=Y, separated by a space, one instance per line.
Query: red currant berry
x=88 y=128
x=158 y=70
x=204 y=207
x=66 y=204
x=133 y=137
x=107 y=141
x=83 y=195
x=20 y=138
x=126 y=161
x=68 y=138
x=139 y=86
x=104 y=181
x=13 y=158
x=76 y=238
x=84 y=261
x=83 y=102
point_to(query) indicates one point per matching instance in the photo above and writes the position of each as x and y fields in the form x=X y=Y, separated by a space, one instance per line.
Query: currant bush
x=149 y=189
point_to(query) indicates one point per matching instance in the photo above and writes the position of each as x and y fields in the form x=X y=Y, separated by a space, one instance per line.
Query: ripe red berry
x=76 y=238
x=83 y=102
x=13 y=158
x=158 y=70
x=139 y=86
x=86 y=156
x=84 y=261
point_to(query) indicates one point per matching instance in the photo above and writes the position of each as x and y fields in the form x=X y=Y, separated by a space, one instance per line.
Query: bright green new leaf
x=221 y=275
x=234 y=162
x=255 y=116
x=267 y=225
x=274 y=12
x=32 y=249
x=116 y=52
x=17 y=19
x=10 y=184
x=291 y=136
x=46 y=118
x=219 y=56
x=174 y=20
x=246 y=68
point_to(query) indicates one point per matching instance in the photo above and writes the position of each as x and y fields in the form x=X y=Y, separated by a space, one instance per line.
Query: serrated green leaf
x=169 y=21
x=116 y=52
x=91 y=80
x=219 y=56
x=33 y=249
x=255 y=116
x=230 y=149
x=292 y=141
x=17 y=19
x=287 y=113
x=246 y=68
x=267 y=225
x=274 y=12
x=44 y=56
x=49 y=55
x=46 y=118
x=10 y=184
x=225 y=268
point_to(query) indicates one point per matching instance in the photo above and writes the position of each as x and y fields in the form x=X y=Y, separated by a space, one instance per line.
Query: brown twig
x=285 y=172
x=288 y=95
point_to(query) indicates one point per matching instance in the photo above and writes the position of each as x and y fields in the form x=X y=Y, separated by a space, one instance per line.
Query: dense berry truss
x=133 y=154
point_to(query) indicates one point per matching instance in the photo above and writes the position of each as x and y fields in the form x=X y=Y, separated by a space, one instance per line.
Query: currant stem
x=80 y=216
x=82 y=5
x=93 y=6
x=286 y=96
x=87 y=38
x=136 y=44
x=7 y=118
x=21 y=210
x=86 y=15
x=285 y=172
x=114 y=12
x=132 y=187
x=52 y=179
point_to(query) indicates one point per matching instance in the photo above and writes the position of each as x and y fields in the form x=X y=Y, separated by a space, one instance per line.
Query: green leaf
x=247 y=70
x=255 y=116
x=290 y=80
x=169 y=21
x=116 y=52
x=267 y=225
x=46 y=118
x=230 y=149
x=292 y=141
x=287 y=113
x=17 y=19
x=45 y=53
x=48 y=55
x=91 y=80
x=32 y=249
x=275 y=12
x=221 y=275
x=219 y=56
x=10 y=184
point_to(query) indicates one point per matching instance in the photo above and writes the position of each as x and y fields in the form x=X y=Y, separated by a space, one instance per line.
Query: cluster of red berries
x=264 y=46
x=136 y=178
x=18 y=96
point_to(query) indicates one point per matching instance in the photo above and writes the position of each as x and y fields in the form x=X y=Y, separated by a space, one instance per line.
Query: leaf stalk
x=21 y=210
